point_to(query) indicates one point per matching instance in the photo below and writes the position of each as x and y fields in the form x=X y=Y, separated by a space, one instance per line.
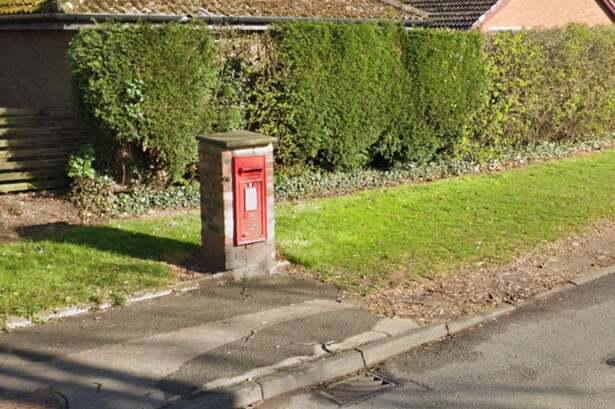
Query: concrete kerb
x=593 y=276
x=311 y=373
x=344 y=363
x=317 y=371
x=381 y=350
x=462 y=324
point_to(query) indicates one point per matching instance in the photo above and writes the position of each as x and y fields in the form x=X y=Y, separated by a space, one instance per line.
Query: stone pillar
x=222 y=250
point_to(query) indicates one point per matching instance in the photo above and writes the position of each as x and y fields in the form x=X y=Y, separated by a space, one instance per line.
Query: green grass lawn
x=381 y=237
x=92 y=264
x=364 y=241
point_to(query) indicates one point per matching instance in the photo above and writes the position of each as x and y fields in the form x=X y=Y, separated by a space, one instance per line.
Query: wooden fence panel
x=35 y=147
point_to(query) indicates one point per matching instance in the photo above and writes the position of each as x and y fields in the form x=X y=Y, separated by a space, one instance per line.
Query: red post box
x=250 y=191
x=237 y=203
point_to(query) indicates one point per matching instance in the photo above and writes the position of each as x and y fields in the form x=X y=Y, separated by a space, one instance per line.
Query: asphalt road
x=550 y=355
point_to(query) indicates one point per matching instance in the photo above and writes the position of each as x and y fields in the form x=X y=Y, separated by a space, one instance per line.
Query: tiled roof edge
x=412 y=13
x=87 y=19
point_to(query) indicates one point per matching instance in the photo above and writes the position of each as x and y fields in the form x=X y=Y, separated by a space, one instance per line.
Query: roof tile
x=379 y=9
x=453 y=13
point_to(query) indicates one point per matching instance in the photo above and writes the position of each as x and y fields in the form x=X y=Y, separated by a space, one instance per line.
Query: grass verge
x=91 y=264
x=363 y=242
x=381 y=238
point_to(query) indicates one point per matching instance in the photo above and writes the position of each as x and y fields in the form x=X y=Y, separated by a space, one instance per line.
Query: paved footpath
x=549 y=355
x=144 y=355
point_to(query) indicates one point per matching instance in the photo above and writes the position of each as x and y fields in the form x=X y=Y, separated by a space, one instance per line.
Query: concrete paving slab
x=126 y=375
x=395 y=326
x=267 y=347
x=122 y=324
x=357 y=340
x=145 y=355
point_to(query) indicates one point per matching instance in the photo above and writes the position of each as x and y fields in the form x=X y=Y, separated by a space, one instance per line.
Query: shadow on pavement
x=61 y=379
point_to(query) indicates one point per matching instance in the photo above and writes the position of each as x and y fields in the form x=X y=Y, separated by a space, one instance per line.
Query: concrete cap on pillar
x=237 y=139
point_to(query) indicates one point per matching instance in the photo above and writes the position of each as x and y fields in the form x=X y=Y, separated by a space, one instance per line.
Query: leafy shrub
x=147 y=90
x=240 y=53
x=332 y=92
x=549 y=85
x=339 y=96
x=81 y=165
x=94 y=197
x=345 y=96
x=98 y=197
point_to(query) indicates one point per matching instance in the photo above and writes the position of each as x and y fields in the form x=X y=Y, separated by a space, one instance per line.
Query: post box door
x=250 y=199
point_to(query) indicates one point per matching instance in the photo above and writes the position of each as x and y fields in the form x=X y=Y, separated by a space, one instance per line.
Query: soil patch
x=546 y=268
x=24 y=215
x=27 y=214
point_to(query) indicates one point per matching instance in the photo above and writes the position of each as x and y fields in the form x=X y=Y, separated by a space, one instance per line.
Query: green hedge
x=549 y=86
x=333 y=93
x=148 y=91
x=344 y=96
x=341 y=96
x=449 y=87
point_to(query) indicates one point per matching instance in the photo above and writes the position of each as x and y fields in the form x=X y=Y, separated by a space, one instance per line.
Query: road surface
x=550 y=355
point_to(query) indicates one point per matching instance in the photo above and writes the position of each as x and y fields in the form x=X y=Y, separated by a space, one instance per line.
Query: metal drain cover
x=611 y=362
x=356 y=389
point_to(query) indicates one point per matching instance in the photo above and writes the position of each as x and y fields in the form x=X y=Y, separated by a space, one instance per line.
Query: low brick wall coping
x=239 y=139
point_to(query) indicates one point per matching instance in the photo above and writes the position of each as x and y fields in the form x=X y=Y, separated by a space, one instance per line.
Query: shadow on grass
x=121 y=242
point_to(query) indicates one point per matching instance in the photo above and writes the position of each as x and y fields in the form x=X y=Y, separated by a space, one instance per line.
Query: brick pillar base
x=221 y=251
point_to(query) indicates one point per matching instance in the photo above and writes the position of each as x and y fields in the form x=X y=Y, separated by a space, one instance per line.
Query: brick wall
x=34 y=72
x=546 y=14
x=220 y=253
